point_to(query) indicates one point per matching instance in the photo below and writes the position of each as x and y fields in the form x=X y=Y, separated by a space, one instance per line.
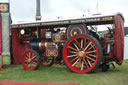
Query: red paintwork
x=118 y=52
x=18 y=48
x=43 y=31
x=0 y=35
x=68 y=61
x=31 y=83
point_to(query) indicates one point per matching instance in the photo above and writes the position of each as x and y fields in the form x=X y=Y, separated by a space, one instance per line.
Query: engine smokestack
x=38 y=14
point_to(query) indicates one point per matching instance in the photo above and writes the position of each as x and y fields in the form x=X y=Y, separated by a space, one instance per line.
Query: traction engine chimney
x=38 y=14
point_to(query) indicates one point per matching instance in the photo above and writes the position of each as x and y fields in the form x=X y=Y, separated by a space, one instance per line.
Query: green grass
x=6 y=60
x=61 y=74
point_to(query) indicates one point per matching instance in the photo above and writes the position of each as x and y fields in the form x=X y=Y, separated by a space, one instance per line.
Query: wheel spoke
x=75 y=62
x=81 y=43
x=29 y=54
x=82 y=66
x=34 y=62
x=73 y=52
x=33 y=65
x=91 y=58
x=26 y=61
x=91 y=52
x=80 y=63
x=84 y=42
x=89 y=63
x=85 y=62
x=72 y=48
x=33 y=57
x=71 y=56
x=91 y=55
x=29 y=65
x=77 y=43
x=32 y=54
x=74 y=59
x=87 y=46
x=26 y=57
x=92 y=46
x=76 y=47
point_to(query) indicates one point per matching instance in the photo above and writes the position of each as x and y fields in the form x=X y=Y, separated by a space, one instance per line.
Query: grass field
x=61 y=74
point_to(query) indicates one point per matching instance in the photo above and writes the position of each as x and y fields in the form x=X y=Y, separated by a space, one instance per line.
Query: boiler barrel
x=35 y=45
x=42 y=45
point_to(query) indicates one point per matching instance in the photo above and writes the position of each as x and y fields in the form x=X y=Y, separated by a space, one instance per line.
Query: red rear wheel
x=82 y=53
x=30 y=60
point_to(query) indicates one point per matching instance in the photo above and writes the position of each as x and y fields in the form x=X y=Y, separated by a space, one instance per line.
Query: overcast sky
x=25 y=10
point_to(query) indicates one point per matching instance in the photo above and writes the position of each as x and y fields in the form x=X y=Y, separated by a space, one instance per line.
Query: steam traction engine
x=77 y=42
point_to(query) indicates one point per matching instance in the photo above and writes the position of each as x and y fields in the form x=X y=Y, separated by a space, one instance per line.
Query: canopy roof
x=93 y=20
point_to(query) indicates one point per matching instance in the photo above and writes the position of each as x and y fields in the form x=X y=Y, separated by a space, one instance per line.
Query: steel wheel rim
x=77 y=51
x=30 y=60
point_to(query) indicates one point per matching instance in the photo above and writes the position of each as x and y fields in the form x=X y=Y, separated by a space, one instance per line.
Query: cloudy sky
x=25 y=10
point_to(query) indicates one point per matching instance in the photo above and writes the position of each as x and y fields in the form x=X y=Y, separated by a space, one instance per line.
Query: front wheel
x=30 y=60
x=82 y=53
